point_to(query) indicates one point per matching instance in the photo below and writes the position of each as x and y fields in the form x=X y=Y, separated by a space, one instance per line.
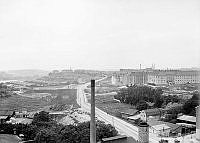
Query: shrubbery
x=189 y=106
x=43 y=129
x=136 y=94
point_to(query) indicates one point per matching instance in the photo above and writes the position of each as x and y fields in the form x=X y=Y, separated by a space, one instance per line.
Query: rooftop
x=153 y=112
x=130 y=111
x=134 y=117
x=187 y=118
x=155 y=122
x=161 y=127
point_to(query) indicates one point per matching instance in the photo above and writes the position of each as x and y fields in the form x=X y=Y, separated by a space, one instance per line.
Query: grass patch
x=17 y=102
x=108 y=105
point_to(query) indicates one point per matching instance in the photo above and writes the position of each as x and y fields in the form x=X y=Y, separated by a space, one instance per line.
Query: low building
x=164 y=128
x=155 y=113
x=161 y=130
x=129 y=112
x=21 y=114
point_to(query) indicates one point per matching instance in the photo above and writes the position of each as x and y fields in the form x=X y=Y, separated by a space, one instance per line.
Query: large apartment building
x=173 y=76
x=158 y=77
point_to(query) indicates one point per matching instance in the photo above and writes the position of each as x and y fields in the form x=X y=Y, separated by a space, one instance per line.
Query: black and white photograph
x=99 y=71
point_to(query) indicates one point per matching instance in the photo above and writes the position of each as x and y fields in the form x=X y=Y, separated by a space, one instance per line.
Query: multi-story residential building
x=158 y=77
x=162 y=77
x=122 y=79
x=139 y=77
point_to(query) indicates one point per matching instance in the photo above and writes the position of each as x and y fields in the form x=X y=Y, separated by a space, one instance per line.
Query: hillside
x=26 y=74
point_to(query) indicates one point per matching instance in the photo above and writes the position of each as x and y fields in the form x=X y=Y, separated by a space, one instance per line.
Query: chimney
x=92 y=114
x=143 y=132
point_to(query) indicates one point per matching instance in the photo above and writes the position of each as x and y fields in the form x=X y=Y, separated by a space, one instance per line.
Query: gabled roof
x=135 y=117
x=161 y=127
x=150 y=103
x=154 y=111
x=130 y=112
x=187 y=118
x=156 y=122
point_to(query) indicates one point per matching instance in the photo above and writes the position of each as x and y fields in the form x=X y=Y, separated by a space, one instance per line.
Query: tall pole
x=92 y=115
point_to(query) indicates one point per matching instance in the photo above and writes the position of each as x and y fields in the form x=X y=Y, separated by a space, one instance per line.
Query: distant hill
x=26 y=74
x=5 y=76
x=188 y=69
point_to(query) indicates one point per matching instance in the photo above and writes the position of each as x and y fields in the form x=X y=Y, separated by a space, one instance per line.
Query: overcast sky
x=99 y=34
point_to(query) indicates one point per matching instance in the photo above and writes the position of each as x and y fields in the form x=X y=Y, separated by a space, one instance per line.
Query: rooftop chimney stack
x=143 y=132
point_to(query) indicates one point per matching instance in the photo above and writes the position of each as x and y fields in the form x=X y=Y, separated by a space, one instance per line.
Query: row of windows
x=184 y=76
x=187 y=80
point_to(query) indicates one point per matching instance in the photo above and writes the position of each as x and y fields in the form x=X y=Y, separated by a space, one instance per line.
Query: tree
x=43 y=119
x=46 y=136
x=105 y=130
x=189 y=106
x=142 y=105
x=81 y=132
x=29 y=132
x=134 y=94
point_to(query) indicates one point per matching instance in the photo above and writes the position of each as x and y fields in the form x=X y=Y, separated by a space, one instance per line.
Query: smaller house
x=161 y=130
x=164 y=128
x=21 y=114
x=129 y=112
x=155 y=113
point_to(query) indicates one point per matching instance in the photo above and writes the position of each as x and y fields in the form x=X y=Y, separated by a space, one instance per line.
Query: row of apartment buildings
x=158 y=77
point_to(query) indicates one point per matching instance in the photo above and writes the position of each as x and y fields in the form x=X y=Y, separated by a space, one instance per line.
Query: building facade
x=158 y=77
x=162 y=77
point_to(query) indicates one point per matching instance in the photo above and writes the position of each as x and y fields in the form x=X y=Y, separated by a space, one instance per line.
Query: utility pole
x=92 y=114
